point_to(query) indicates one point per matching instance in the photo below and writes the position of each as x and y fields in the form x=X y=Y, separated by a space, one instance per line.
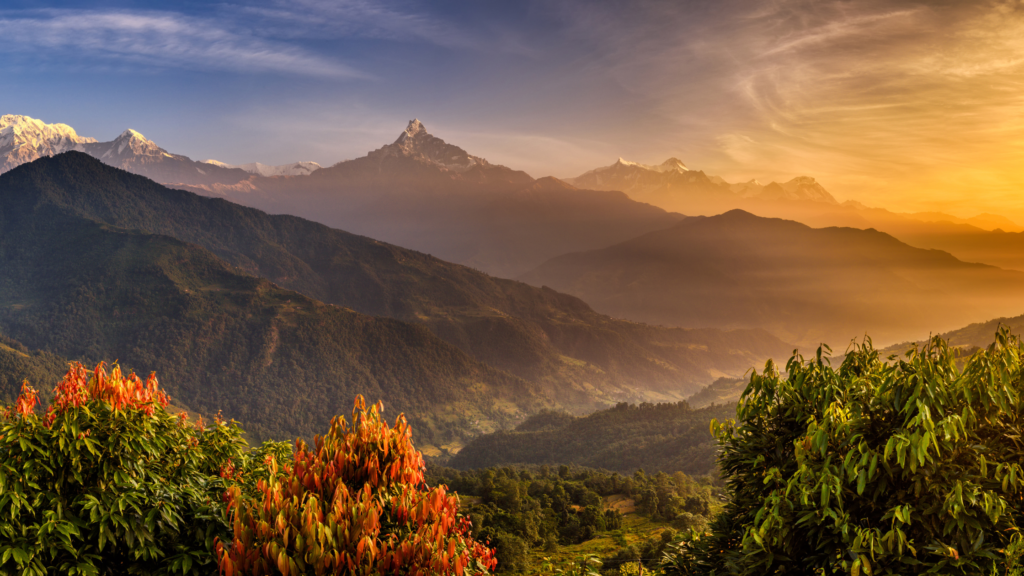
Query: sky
x=906 y=105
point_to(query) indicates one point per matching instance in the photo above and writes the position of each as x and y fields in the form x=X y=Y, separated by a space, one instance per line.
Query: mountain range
x=806 y=285
x=293 y=169
x=237 y=309
x=987 y=238
x=671 y=183
x=425 y=194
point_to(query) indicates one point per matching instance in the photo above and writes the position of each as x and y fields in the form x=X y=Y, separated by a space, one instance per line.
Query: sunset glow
x=908 y=105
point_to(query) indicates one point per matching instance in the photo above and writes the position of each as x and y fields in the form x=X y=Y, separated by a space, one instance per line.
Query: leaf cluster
x=108 y=482
x=906 y=466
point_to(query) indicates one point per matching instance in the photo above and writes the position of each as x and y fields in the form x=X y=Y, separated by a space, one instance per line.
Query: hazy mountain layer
x=973 y=336
x=987 y=238
x=425 y=194
x=293 y=169
x=806 y=285
x=673 y=186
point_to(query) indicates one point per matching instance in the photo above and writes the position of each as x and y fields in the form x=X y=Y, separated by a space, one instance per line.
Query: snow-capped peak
x=670 y=165
x=135 y=143
x=415 y=142
x=293 y=169
x=24 y=139
x=415 y=127
x=132 y=135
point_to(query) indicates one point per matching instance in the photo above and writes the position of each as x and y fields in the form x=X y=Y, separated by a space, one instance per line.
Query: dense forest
x=543 y=507
x=668 y=437
x=18 y=363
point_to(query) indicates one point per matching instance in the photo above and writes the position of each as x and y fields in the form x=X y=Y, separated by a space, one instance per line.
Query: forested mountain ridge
x=275 y=359
x=667 y=437
x=556 y=340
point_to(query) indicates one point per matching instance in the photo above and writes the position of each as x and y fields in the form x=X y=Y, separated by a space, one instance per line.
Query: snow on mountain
x=293 y=169
x=673 y=177
x=125 y=149
x=24 y=139
x=417 y=143
x=748 y=189
x=799 y=188
x=672 y=165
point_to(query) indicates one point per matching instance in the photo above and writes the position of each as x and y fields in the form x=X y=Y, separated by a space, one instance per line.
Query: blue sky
x=883 y=101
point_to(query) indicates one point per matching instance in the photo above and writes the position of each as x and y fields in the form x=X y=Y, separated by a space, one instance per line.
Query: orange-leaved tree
x=107 y=481
x=355 y=503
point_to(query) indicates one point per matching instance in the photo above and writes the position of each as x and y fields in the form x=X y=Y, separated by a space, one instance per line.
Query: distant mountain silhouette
x=673 y=186
x=805 y=285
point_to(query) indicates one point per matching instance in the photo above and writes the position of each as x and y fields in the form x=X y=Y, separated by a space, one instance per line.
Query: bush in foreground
x=905 y=467
x=108 y=482
x=354 y=503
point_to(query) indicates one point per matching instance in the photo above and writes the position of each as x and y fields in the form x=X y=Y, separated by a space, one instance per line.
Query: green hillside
x=653 y=437
x=807 y=285
x=18 y=363
x=279 y=361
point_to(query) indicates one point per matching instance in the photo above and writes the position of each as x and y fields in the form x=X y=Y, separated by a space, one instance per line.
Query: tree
x=108 y=482
x=909 y=466
x=354 y=503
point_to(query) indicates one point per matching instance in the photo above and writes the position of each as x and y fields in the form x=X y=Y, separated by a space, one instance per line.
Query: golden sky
x=910 y=106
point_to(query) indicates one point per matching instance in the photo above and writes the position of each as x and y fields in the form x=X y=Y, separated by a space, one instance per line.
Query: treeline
x=665 y=437
x=18 y=363
x=544 y=507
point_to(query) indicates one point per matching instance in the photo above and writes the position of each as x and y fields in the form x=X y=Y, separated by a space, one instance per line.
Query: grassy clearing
x=635 y=529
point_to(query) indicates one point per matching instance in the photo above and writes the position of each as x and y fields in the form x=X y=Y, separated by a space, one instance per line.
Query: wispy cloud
x=880 y=99
x=160 y=39
x=355 y=18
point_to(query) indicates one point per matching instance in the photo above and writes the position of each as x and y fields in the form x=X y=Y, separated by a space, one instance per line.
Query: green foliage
x=665 y=437
x=543 y=508
x=108 y=482
x=354 y=504
x=585 y=566
x=911 y=466
x=18 y=364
